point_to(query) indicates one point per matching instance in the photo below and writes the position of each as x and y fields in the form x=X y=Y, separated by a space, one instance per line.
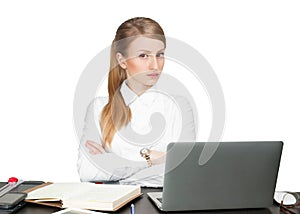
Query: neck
x=137 y=87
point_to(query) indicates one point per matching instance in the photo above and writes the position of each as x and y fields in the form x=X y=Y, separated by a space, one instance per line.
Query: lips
x=153 y=75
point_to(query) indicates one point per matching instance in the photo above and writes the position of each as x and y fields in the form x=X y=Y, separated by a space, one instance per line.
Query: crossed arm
x=96 y=164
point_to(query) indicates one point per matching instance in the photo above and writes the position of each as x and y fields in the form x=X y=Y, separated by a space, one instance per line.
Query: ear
x=121 y=60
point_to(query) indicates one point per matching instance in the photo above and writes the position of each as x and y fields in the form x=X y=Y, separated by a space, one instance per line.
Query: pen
x=132 y=209
x=11 y=184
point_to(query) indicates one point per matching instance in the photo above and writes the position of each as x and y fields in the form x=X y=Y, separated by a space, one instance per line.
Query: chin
x=151 y=83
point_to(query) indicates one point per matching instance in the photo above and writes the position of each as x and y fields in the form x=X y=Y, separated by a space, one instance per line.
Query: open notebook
x=90 y=196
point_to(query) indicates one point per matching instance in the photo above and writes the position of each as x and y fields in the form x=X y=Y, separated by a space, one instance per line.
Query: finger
x=98 y=147
x=94 y=147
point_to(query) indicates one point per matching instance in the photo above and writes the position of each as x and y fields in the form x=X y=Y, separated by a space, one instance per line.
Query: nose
x=153 y=64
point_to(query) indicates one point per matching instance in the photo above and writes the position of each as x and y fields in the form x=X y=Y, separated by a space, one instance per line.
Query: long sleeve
x=188 y=130
x=101 y=167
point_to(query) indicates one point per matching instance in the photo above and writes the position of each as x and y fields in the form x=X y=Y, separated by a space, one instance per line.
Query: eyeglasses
x=287 y=200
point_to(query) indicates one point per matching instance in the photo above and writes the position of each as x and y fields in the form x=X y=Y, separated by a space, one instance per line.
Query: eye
x=160 y=54
x=143 y=55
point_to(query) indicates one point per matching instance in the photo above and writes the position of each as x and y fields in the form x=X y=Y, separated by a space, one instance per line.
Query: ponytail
x=115 y=113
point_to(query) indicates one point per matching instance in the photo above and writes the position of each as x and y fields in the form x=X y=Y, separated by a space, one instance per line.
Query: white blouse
x=122 y=161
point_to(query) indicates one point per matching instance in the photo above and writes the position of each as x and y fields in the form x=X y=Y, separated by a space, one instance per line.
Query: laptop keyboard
x=159 y=199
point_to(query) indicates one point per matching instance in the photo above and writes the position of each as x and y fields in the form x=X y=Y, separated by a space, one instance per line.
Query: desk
x=143 y=205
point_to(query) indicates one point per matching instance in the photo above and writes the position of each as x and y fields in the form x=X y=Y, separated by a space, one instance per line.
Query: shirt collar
x=129 y=96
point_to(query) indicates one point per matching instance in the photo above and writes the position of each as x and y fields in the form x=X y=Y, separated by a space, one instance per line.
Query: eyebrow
x=144 y=50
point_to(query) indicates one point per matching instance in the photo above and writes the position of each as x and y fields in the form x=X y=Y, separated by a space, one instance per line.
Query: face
x=143 y=63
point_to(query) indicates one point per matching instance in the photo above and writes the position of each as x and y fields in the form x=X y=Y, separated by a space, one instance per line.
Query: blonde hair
x=115 y=113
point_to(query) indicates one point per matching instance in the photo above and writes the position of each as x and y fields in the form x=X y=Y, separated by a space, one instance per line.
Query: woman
x=119 y=141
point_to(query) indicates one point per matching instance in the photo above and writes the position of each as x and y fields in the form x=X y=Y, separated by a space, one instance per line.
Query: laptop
x=219 y=175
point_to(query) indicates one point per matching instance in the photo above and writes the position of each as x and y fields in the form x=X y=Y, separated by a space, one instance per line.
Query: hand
x=157 y=157
x=94 y=148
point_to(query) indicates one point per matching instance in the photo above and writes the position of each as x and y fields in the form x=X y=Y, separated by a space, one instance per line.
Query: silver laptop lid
x=237 y=175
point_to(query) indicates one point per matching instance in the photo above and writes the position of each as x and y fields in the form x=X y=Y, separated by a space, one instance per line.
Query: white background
x=253 y=46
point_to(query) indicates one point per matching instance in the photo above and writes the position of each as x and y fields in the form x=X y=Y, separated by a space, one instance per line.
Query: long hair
x=115 y=113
